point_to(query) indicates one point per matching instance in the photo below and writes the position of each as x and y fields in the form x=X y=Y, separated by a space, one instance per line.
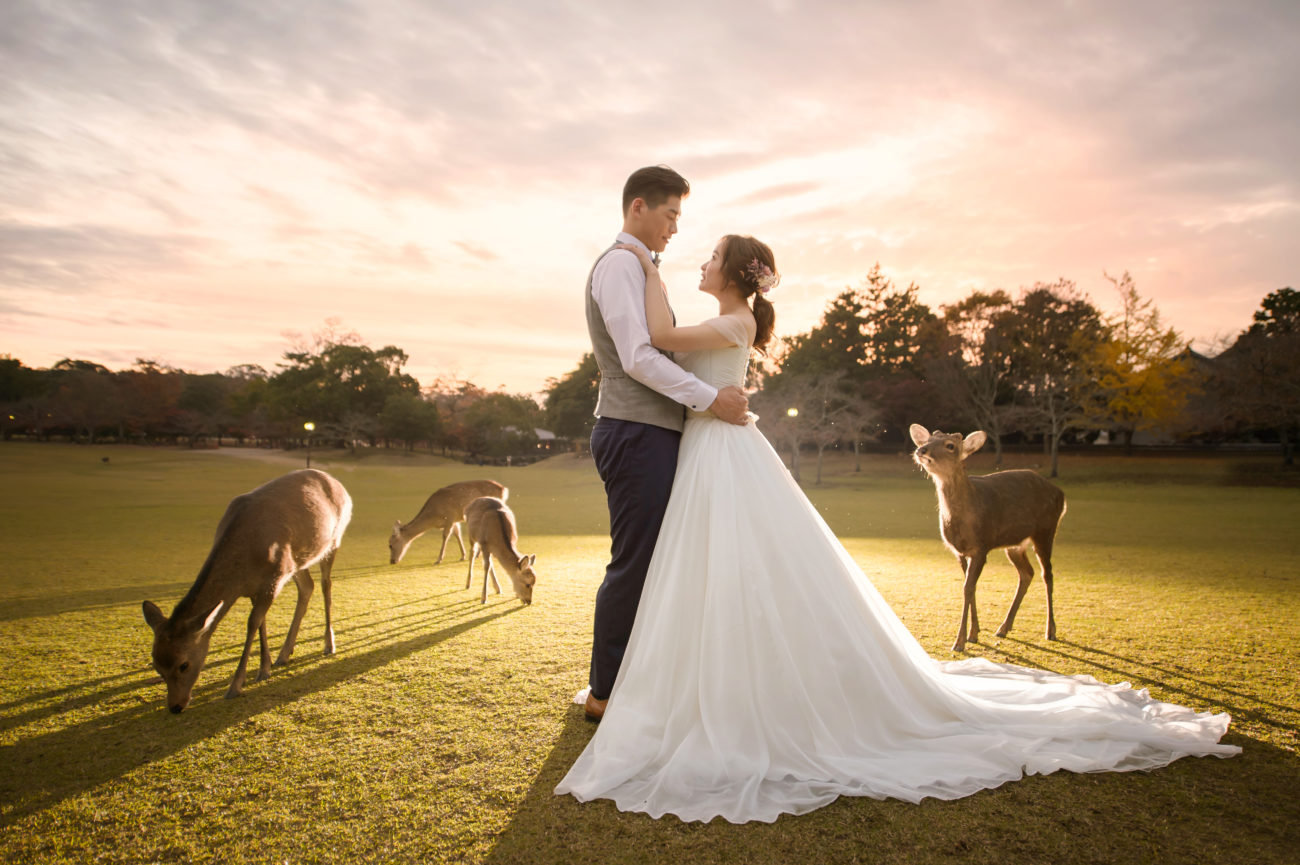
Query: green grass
x=441 y=726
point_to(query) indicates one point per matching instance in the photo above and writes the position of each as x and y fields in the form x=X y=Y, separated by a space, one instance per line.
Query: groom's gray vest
x=621 y=396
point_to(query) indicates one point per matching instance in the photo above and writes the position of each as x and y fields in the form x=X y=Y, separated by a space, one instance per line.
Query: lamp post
x=793 y=413
x=310 y=428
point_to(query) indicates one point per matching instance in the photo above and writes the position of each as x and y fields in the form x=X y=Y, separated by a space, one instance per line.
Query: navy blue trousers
x=636 y=461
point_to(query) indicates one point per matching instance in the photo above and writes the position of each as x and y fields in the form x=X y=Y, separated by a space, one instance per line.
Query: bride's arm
x=659 y=319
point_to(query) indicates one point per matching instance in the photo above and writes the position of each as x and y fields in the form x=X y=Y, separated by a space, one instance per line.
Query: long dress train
x=766 y=675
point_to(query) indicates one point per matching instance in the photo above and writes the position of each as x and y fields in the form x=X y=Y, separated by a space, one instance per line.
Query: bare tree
x=860 y=421
x=974 y=372
x=803 y=408
x=352 y=427
x=1053 y=336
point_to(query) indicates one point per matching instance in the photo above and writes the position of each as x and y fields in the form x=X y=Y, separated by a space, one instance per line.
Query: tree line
x=1046 y=367
x=348 y=392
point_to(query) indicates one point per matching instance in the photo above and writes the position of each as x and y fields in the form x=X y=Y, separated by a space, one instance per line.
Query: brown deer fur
x=979 y=514
x=490 y=525
x=444 y=510
x=266 y=538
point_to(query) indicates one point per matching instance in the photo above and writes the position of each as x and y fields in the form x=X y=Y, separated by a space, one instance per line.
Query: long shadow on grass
x=1208 y=694
x=75 y=695
x=222 y=660
x=43 y=770
x=89 y=599
x=1192 y=809
x=1182 y=674
x=93 y=599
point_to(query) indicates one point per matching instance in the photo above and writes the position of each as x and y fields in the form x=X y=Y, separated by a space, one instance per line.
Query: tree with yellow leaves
x=1142 y=383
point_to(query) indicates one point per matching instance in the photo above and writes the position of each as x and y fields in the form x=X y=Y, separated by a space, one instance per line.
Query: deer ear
x=532 y=559
x=397 y=525
x=203 y=623
x=973 y=442
x=153 y=616
x=920 y=435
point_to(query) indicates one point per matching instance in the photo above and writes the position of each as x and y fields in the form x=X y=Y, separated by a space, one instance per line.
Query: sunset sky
x=195 y=182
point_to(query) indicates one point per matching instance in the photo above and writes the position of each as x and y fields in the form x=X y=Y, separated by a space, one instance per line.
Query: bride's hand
x=640 y=253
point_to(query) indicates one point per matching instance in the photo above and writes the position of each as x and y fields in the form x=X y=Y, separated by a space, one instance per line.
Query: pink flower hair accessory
x=763 y=275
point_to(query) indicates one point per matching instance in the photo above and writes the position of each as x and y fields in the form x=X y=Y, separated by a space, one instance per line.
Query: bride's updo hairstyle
x=750 y=265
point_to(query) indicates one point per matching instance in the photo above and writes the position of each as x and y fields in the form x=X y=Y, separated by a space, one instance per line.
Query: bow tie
x=654 y=259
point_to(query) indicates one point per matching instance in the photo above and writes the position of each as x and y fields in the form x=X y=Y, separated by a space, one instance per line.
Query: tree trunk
x=1055 y=447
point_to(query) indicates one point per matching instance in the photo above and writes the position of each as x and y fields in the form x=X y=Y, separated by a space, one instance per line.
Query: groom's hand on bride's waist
x=731 y=405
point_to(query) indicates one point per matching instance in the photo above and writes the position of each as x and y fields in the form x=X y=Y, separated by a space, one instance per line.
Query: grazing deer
x=980 y=514
x=492 y=532
x=267 y=537
x=445 y=510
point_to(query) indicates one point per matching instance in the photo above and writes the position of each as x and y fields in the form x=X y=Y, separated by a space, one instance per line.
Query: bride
x=766 y=675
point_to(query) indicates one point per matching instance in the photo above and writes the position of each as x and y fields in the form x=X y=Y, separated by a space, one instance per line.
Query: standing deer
x=980 y=514
x=266 y=538
x=444 y=510
x=492 y=532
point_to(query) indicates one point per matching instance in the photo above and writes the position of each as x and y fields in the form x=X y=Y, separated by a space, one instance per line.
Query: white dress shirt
x=618 y=287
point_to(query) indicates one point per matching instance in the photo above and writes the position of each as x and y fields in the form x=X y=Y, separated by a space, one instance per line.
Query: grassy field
x=439 y=729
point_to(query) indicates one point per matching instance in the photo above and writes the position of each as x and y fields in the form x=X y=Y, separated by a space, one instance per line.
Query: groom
x=640 y=414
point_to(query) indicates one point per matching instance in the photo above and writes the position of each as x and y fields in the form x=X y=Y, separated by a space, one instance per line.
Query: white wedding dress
x=766 y=675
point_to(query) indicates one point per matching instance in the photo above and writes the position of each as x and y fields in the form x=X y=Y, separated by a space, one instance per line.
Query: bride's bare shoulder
x=739 y=327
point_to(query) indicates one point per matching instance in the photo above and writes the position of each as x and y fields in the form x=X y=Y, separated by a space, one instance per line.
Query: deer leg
x=487 y=568
x=1043 y=548
x=442 y=551
x=496 y=587
x=264 y=663
x=455 y=527
x=974 y=564
x=469 y=578
x=1020 y=559
x=256 y=623
x=960 y=643
x=326 y=585
x=973 y=635
x=302 y=579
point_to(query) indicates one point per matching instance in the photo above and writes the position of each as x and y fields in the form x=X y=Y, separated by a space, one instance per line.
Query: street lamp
x=792 y=413
x=310 y=428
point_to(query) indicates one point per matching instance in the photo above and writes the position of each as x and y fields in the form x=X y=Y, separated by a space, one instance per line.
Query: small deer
x=444 y=510
x=266 y=538
x=980 y=514
x=492 y=532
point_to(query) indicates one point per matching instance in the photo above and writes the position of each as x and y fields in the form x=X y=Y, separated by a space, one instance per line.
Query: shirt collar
x=624 y=237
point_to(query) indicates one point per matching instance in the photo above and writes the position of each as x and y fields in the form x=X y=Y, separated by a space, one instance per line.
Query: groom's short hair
x=654 y=185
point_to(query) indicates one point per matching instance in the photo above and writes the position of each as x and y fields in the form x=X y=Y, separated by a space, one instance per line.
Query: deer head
x=939 y=454
x=397 y=544
x=524 y=578
x=179 y=649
